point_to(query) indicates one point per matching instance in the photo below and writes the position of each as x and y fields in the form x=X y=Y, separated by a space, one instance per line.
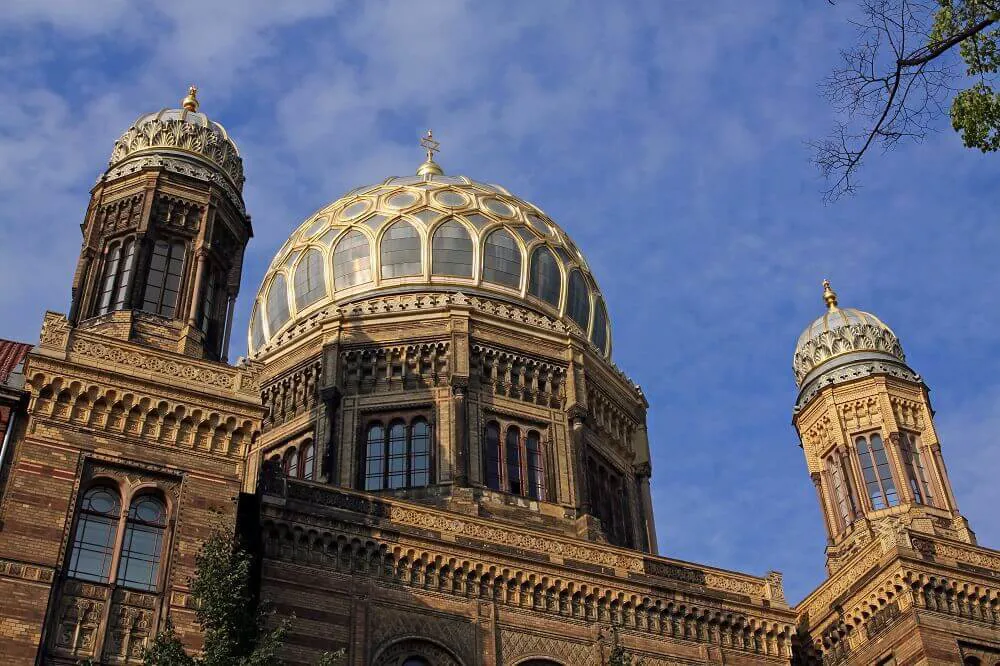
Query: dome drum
x=425 y=234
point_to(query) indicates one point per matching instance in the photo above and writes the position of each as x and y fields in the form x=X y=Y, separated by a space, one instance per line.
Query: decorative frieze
x=518 y=376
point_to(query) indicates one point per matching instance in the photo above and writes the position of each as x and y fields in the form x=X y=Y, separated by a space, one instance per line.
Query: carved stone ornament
x=393 y=631
x=824 y=340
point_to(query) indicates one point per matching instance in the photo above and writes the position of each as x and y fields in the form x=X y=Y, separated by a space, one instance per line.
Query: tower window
x=916 y=475
x=545 y=280
x=843 y=496
x=290 y=463
x=399 y=456
x=609 y=501
x=139 y=567
x=117 y=277
x=513 y=446
x=493 y=456
x=536 y=469
x=94 y=541
x=163 y=281
x=517 y=466
x=502 y=259
x=451 y=250
x=308 y=461
x=878 y=475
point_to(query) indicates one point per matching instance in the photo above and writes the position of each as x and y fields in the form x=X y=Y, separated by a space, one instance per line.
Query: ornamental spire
x=191 y=101
x=829 y=296
x=430 y=167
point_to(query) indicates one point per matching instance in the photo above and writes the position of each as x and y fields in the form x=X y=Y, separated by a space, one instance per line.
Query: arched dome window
x=578 y=301
x=545 y=281
x=309 y=283
x=400 y=251
x=352 y=261
x=451 y=250
x=257 y=329
x=502 y=259
x=599 y=336
x=277 y=304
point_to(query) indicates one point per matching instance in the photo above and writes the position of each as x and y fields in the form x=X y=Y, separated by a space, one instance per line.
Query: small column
x=80 y=288
x=196 y=295
x=817 y=480
x=643 y=473
x=228 y=332
x=579 y=463
x=460 y=436
x=942 y=471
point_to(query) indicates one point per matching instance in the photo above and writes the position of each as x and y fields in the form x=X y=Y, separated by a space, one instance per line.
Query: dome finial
x=829 y=296
x=191 y=101
x=430 y=167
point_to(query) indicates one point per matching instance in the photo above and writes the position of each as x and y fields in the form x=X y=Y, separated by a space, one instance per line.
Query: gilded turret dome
x=428 y=233
x=185 y=133
x=843 y=336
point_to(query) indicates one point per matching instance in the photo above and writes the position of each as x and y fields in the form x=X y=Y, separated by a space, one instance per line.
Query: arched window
x=375 y=457
x=117 y=277
x=257 y=329
x=290 y=464
x=502 y=259
x=308 y=461
x=398 y=457
x=913 y=462
x=878 y=475
x=841 y=489
x=212 y=305
x=139 y=566
x=578 y=300
x=309 y=283
x=536 y=470
x=94 y=540
x=545 y=281
x=352 y=261
x=400 y=251
x=451 y=250
x=163 y=281
x=492 y=457
x=609 y=501
x=277 y=304
x=420 y=453
x=599 y=335
x=513 y=446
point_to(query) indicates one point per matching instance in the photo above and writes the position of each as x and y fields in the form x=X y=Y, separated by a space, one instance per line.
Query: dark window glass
x=308 y=461
x=416 y=661
x=513 y=446
x=502 y=259
x=599 y=335
x=493 y=459
x=840 y=490
x=420 y=453
x=277 y=304
x=111 y=263
x=139 y=567
x=375 y=457
x=915 y=473
x=451 y=250
x=545 y=281
x=352 y=261
x=257 y=329
x=578 y=300
x=125 y=275
x=397 y=455
x=878 y=476
x=309 y=283
x=290 y=465
x=400 y=251
x=94 y=540
x=536 y=472
x=163 y=281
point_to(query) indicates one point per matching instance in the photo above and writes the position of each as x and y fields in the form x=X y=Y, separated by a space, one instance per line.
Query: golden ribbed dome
x=428 y=233
x=842 y=333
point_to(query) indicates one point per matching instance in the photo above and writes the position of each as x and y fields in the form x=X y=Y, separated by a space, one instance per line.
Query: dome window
x=451 y=199
x=257 y=330
x=578 y=303
x=309 y=283
x=599 y=335
x=400 y=251
x=352 y=261
x=539 y=224
x=498 y=207
x=545 y=281
x=502 y=259
x=451 y=250
x=277 y=304
x=314 y=228
x=354 y=210
x=401 y=200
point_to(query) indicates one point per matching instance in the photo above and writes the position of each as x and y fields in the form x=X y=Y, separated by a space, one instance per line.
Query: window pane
x=94 y=540
x=884 y=472
x=375 y=457
x=545 y=281
x=139 y=567
x=126 y=275
x=164 y=278
x=578 y=301
x=309 y=283
x=502 y=259
x=400 y=251
x=110 y=273
x=397 y=456
x=420 y=454
x=493 y=456
x=308 y=461
x=290 y=465
x=536 y=473
x=451 y=250
x=513 y=446
x=599 y=335
x=352 y=261
x=277 y=304
x=257 y=329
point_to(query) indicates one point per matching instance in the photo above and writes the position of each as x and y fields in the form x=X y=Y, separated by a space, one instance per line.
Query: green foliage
x=333 y=658
x=618 y=656
x=166 y=650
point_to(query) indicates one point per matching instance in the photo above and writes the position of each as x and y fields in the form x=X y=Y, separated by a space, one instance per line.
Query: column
x=579 y=463
x=196 y=295
x=817 y=480
x=643 y=473
x=460 y=436
x=227 y=332
x=942 y=473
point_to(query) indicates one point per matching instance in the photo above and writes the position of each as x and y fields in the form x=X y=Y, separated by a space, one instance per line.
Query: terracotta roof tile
x=11 y=353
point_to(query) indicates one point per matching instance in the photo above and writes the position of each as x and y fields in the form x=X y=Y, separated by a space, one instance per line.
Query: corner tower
x=164 y=236
x=866 y=426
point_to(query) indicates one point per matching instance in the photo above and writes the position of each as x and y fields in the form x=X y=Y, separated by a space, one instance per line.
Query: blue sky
x=666 y=138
